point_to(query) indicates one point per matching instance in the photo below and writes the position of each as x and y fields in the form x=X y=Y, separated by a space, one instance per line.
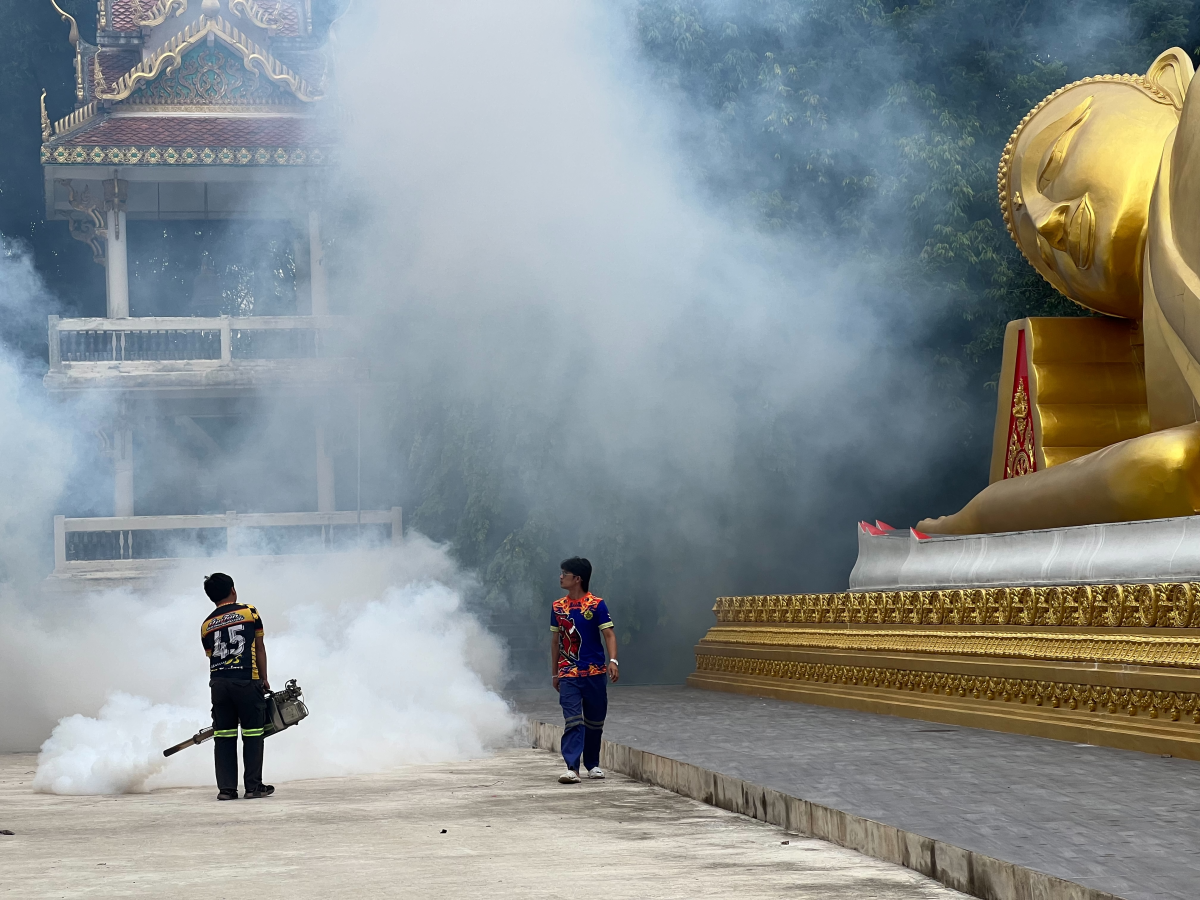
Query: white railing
x=125 y=526
x=220 y=339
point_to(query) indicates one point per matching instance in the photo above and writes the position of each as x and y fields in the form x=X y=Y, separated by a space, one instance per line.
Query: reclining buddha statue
x=1098 y=417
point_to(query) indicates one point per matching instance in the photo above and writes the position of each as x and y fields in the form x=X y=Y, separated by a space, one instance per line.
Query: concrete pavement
x=1114 y=821
x=509 y=831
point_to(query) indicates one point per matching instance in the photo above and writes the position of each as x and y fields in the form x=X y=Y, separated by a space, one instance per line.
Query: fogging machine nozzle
x=284 y=709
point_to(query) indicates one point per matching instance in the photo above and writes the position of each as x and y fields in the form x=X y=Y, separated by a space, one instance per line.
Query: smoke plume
x=574 y=349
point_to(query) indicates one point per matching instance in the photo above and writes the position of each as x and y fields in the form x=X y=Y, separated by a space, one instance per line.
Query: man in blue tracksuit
x=581 y=629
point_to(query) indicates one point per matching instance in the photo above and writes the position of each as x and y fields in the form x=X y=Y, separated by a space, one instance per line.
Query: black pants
x=236 y=702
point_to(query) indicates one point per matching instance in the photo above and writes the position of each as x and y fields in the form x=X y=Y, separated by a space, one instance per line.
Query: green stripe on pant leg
x=252 y=732
x=225 y=733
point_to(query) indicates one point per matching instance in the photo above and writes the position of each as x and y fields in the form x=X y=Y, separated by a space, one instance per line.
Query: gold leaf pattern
x=1152 y=605
x=1173 y=705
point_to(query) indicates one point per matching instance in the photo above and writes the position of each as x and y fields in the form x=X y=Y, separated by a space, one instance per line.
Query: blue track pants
x=584 y=703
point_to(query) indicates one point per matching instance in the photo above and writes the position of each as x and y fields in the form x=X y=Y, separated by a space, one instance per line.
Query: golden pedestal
x=1114 y=665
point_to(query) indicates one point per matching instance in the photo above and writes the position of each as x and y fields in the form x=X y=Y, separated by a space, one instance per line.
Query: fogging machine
x=284 y=709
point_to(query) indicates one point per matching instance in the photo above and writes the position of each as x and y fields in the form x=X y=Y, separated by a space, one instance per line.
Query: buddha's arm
x=1170 y=284
x=1182 y=160
x=1150 y=477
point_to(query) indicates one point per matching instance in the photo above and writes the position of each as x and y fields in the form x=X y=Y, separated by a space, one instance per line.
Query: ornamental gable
x=211 y=76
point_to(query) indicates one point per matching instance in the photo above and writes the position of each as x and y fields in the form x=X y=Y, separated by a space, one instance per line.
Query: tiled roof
x=308 y=64
x=115 y=63
x=122 y=17
x=289 y=21
x=215 y=131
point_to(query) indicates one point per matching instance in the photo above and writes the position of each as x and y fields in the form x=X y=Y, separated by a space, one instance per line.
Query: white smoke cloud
x=36 y=444
x=522 y=232
x=532 y=224
x=394 y=670
x=114 y=753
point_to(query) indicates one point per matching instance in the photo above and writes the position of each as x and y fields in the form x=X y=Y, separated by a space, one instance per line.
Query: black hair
x=577 y=565
x=218 y=586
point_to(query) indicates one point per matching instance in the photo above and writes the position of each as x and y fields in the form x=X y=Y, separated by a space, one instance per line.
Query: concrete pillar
x=300 y=252
x=231 y=539
x=116 y=192
x=318 y=281
x=326 y=500
x=118 y=265
x=123 y=470
x=60 y=543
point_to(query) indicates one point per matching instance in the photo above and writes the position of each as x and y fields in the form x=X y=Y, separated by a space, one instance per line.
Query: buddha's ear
x=1172 y=72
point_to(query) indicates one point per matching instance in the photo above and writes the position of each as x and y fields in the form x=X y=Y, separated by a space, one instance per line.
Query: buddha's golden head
x=1077 y=175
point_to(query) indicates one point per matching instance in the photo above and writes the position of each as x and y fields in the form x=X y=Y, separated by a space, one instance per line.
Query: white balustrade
x=215 y=341
x=124 y=526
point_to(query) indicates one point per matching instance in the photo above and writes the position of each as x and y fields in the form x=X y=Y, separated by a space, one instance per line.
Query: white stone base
x=1124 y=552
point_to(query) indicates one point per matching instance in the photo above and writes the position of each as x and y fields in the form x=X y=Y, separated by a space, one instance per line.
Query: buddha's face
x=1081 y=177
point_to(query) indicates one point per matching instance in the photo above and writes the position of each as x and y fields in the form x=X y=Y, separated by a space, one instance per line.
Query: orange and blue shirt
x=228 y=638
x=579 y=623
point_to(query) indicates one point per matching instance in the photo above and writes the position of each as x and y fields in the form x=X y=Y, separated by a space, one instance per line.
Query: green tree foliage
x=881 y=125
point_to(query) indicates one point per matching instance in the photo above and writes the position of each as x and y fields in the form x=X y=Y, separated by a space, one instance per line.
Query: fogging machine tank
x=284 y=709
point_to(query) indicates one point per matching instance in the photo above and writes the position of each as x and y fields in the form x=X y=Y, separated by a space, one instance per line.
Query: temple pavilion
x=220 y=383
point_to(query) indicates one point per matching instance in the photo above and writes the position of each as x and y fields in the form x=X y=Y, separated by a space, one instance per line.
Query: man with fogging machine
x=578 y=670
x=237 y=664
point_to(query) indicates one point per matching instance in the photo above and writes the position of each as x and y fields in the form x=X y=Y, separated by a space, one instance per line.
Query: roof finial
x=66 y=17
x=99 y=88
x=78 y=44
x=46 y=132
x=210 y=8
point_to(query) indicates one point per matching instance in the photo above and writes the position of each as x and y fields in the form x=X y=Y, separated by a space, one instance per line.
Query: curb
x=963 y=870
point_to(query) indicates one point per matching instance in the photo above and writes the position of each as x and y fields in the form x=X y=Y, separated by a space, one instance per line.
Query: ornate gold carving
x=85 y=230
x=1018 y=459
x=67 y=17
x=98 y=85
x=1020 y=403
x=83 y=200
x=102 y=14
x=89 y=227
x=1115 y=649
x=257 y=13
x=1172 y=705
x=169 y=56
x=47 y=133
x=73 y=37
x=1156 y=605
x=69 y=123
x=186 y=156
x=79 y=91
x=157 y=13
x=116 y=193
x=211 y=77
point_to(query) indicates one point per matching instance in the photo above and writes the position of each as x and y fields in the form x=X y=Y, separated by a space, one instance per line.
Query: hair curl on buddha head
x=1145 y=83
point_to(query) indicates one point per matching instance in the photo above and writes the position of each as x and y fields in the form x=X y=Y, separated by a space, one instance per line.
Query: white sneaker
x=569 y=777
x=595 y=772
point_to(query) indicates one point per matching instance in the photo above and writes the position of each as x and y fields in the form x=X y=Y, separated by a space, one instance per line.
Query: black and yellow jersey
x=228 y=638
